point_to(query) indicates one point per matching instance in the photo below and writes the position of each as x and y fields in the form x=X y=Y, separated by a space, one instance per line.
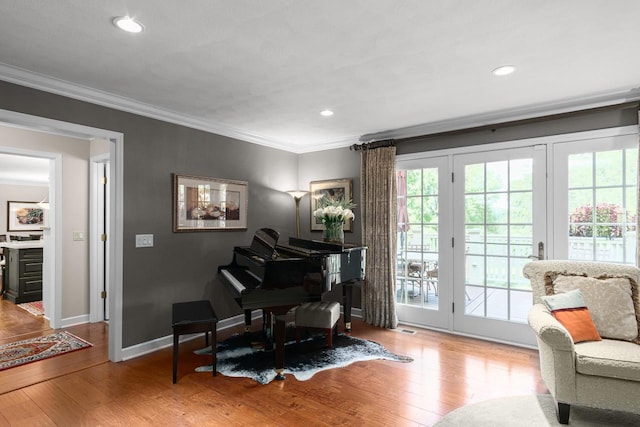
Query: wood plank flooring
x=85 y=389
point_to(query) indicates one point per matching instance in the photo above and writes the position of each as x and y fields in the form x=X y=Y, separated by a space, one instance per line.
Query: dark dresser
x=23 y=272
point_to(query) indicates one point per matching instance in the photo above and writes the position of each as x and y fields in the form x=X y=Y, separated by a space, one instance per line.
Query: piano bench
x=319 y=315
x=190 y=318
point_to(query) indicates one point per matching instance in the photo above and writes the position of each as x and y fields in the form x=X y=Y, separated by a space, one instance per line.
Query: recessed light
x=504 y=70
x=326 y=113
x=128 y=24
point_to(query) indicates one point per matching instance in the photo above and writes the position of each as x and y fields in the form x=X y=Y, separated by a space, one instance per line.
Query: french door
x=469 y=221
x=499 y=211
x=424 y=251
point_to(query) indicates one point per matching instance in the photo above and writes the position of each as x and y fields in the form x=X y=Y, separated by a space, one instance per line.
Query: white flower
x=334 y=211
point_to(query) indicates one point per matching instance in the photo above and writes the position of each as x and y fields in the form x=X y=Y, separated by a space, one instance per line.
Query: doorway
x=482 y=213
x=53 y=267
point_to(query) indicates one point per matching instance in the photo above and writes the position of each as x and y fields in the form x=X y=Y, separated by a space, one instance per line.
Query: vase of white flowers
x=333 y=214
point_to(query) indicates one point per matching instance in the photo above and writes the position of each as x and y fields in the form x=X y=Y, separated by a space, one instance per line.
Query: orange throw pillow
x=579 y=324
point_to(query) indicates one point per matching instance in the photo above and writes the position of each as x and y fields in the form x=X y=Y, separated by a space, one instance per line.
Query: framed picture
x=26 y=216
x=209 y=204
x=333 y=189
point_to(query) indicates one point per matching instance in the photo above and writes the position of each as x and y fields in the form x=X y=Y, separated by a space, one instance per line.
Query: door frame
x=116 y=188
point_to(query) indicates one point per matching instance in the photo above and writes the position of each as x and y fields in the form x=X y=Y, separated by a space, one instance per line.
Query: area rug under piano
x=243 y=355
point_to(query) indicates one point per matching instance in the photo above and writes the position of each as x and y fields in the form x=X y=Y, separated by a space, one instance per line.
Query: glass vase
x=333 y=232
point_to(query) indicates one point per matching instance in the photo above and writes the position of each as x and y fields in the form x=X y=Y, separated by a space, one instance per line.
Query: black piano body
x=275 y=278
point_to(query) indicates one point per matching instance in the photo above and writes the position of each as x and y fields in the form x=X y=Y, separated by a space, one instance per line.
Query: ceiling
x=23 y=170
x=262 y=71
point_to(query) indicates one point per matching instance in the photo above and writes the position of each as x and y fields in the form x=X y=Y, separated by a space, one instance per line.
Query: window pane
x=430 y=181
x=474 y=209
x=414 y=186
x=497 y=208
x=430 y=210
x=580 y=170
x=497 y=176
x=474 y=178
x=522 y=207
x=521 y=172
x=608 y=168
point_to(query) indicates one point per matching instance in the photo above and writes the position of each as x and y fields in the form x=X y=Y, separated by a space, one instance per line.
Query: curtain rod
x=373 y=144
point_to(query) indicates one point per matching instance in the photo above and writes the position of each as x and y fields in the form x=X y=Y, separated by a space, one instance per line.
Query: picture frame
x=26 y=216
x=209 y=204
x=336 y=189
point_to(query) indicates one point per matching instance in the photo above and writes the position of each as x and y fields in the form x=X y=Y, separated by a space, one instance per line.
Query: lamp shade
x=297 y=194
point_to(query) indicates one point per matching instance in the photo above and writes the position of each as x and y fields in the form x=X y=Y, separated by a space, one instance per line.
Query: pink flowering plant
x=607 y=222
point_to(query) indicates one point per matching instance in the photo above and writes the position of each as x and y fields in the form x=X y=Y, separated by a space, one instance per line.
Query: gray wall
x=180 y=266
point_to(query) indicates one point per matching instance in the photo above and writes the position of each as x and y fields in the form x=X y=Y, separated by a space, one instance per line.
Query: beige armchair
x=602 y=374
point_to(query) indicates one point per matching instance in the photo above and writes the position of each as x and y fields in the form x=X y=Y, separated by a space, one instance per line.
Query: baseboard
x=167 y=341
x=72 y=321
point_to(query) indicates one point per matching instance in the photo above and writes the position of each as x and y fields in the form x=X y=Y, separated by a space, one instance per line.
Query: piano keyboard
x=241 y=279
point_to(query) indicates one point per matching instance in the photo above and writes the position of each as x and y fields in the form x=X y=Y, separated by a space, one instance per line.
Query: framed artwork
x=209 y=204
x=333 y=189
x=26 y=216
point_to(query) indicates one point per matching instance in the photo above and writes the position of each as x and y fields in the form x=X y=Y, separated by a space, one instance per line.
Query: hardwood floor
x=84 y=389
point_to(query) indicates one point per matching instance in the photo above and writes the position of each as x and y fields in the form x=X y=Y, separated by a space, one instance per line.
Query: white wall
x=75 y=207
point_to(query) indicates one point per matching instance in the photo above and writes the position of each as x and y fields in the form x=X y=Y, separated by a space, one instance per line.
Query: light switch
x=144 y=240
x=78 y=236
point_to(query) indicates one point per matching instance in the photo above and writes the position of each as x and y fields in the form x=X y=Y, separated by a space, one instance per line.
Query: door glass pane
x=602 y=206
x=417 y=256
x=498 y=239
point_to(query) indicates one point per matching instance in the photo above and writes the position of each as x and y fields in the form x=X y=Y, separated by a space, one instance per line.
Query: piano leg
x=267 y=329
x=280 y=332
x=247 y=320
x=347 y=301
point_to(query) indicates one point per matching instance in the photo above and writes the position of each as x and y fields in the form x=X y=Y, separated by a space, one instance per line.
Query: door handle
x=540 y=255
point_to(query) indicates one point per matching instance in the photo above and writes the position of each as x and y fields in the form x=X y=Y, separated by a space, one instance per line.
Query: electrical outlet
x=144 y=240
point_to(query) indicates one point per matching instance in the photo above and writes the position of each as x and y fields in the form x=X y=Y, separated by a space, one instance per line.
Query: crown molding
x=509 y=115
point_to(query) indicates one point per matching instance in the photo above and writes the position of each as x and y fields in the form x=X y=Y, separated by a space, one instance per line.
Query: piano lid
x=264 y=242
x=317 y=247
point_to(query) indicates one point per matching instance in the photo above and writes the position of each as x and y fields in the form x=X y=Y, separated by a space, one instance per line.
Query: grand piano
x=277 y=277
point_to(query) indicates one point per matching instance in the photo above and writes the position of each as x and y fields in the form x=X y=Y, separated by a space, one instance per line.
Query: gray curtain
x=378 y=196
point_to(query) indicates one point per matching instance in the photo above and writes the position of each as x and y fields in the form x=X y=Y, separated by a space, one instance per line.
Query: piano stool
x=319 y=315
x=189 y=318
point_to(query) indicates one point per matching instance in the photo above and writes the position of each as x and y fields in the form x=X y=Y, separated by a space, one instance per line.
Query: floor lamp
x=297 y=195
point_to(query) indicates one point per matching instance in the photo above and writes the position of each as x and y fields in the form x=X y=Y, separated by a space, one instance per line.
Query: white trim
x=72 y=321
x=11 y=118
x=167 y=341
